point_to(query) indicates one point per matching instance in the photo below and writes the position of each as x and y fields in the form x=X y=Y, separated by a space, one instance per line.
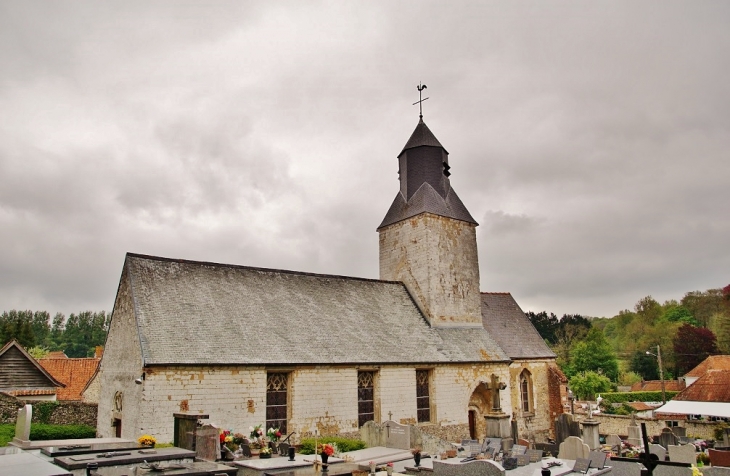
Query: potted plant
x=265 y=452
x=147 y=440
x=325 y=451
x=256 y=435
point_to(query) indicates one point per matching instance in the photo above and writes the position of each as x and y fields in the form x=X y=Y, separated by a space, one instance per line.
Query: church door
x=472 y=424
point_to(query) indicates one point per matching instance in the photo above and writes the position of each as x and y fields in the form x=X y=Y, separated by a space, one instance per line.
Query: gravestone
x=573 y=448
x=658 y=450
x=590 y=434
x=518 y=450
x=679 y=431
x=581 y=465
x=565 y=427
x=507 y=444
x=535 y=455
x=397 y=435
x=667 y=437
x=523 y=460
x=634 y=432
x=207 y=443
x=664 y=470
x=22 y=426
x=598 y=459
x=682 y=454
x=614 y=441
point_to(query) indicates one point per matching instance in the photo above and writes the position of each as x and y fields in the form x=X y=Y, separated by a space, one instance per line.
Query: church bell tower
x=428 y=238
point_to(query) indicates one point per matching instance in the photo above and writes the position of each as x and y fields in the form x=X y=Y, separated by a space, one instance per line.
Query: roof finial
x=420 y=88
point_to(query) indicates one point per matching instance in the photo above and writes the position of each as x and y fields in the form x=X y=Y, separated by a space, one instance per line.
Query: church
x=311 y=352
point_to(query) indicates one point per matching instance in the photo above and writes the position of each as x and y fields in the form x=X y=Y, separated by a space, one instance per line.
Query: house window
x=365 y=397
x=276 y=401
x=526 y=392
x=423 y=399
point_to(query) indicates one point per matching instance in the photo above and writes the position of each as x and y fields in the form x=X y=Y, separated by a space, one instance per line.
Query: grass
x=7 y=432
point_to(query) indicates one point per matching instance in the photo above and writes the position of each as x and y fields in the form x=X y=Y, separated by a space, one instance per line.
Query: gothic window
x=423 y=400
x=526 y=392
x=276 y=400
x=365 y=397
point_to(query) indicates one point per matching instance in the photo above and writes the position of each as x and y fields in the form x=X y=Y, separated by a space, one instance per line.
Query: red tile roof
x=713 y=386
x=640 y=406
x=31 y=392
x=656 y=386
x=713 y=362
x=74 y=373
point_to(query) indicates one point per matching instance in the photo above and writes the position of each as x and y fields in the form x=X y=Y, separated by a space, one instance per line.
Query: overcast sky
x=590 y=140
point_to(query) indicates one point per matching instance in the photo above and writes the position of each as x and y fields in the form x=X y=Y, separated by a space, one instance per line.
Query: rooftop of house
x=74 y=373
x=713 y=362
x=713 y=386
x=656 y=386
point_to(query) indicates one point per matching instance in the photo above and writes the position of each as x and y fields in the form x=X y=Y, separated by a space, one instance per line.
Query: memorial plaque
x=397 y=435
x=535 y=455
x=518 y=450
x=523 y=460
x=598 y=459
x=581 y=465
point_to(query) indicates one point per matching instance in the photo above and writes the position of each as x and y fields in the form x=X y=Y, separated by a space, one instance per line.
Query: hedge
x=343 y=444
x=623 y=397
x=39 y=431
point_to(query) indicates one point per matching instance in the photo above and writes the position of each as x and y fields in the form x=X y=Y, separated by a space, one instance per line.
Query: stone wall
x=52 y=412
x=618 y=425
x=437 y=260
x=536 y=425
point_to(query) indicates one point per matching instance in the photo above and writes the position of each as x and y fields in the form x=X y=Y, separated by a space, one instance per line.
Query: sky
x=590 y=140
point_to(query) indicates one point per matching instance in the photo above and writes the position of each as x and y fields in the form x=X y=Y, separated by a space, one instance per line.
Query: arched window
x=526 y=401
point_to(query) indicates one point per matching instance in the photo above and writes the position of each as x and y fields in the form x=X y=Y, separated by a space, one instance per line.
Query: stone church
x=305 y=352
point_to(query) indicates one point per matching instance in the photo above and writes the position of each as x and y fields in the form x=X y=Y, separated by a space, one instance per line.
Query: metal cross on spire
x=420 y=88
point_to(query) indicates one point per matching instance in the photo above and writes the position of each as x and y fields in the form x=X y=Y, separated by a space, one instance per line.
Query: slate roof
x=426 y=199
x=421 y=136
x=74 y=373
x=510 y=327
x=191 y=312
x=713 y=386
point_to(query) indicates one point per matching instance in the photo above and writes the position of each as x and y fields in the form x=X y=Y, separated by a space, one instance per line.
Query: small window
x=365 y=397
x=526 y=392
x=276 y=401
x=423 y=395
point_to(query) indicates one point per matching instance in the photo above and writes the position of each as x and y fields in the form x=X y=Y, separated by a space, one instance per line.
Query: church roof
x=427 y=200
x=510 y=327
x=191 y=312
x=421 y=136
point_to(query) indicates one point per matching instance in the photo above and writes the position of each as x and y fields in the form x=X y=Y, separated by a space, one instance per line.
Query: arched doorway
x=480 y=403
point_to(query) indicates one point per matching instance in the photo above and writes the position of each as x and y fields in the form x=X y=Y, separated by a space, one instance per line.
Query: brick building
x=307 y=352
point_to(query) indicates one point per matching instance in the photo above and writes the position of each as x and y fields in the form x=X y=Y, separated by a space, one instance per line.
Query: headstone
x=665 y=470
x=184 y=426
x=634 y=432
x=22 y=426
x=207 y=443
x=518 y=450
x=590 y=434
x=581 y=465
x=523 y=460
x=535 y=455
x=565 y=427
x=598 y=459
x=682 y=454
x=573 y=448
x=495 y=443
x=614 y=441
x=507 y=444
x=474 y=449
x=658 y=450
x=679 y=431
x=667 y=437
x=397 y=435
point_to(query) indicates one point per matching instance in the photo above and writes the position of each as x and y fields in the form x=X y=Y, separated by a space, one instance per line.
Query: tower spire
x=420 y=88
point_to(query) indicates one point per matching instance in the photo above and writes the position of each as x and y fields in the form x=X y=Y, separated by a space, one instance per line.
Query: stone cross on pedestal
x=495 y=386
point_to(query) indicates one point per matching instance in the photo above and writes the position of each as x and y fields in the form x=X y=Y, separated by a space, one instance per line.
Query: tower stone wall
x=436 y=258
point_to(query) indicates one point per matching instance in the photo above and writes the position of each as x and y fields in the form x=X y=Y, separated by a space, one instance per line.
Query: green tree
x=545 y=325
x=644 y=365
x=585 y=385
x=594 y=353
x=691 y=346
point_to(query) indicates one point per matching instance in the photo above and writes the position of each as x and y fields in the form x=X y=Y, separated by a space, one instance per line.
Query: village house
x=310 y=352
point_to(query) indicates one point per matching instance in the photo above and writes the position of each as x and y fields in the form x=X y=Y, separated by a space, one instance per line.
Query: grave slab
x=176 y=455
x=71 y=450
x=682 y=454
x=26 y=464
x=202 y=468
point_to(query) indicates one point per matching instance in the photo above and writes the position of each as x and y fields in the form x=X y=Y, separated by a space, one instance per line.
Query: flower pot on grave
x=255 y=451
x=325 y=458
x=417 y=459
x=265 y=455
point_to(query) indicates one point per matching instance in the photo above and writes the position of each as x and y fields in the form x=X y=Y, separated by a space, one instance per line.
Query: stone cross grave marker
x=207 y=443
x=397 y=435
x=22 y=425
x=682 y=454
x=573 y=448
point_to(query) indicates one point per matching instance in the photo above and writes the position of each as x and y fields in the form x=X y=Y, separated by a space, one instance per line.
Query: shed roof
x=20 y=371
x=190 y=312
x=510 y=327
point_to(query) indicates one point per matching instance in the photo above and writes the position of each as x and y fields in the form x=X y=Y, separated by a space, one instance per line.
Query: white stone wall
x=321 y=398
x=436 y=258
x=119 y=366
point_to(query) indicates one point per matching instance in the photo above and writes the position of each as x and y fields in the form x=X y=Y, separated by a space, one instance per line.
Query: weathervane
x=420 y=88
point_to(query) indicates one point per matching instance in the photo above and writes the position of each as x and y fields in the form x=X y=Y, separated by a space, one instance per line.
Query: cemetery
x=203 y=449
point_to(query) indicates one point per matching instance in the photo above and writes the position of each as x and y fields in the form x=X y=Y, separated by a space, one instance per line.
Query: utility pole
x=661 y=372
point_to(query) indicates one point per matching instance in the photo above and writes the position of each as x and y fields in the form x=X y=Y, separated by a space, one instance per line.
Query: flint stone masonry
x=619 y=424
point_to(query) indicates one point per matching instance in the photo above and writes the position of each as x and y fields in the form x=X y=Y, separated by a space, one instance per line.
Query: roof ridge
x=255 y=268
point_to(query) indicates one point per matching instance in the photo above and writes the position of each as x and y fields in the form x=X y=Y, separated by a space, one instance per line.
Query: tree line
x=76 y=336
x=598 y=354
